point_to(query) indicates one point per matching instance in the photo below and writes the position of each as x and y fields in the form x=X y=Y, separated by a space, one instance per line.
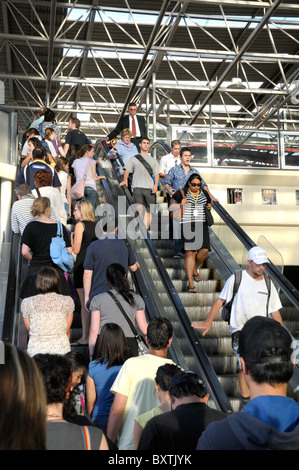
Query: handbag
x=142 y=347
x=77 y=190
x=209 y=217
x=58 y=251
x=177 y=210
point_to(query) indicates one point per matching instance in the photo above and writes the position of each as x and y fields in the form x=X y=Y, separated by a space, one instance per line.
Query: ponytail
x=116 y=277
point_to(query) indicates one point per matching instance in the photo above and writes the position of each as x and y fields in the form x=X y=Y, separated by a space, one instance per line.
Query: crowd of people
x=127 y=393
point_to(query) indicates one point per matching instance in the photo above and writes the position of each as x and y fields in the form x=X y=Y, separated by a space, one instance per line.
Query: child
x=53 y=144
x=62 y=168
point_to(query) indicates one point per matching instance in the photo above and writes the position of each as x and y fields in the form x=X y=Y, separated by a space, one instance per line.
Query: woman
x=62 y=168
x=195 y=231
x=162 y=383
x=124 y=148
x=61 y=434
x=43 y=181
x=33 y=143
x=111 y=353
x=104 y=309
x=81 y=238
x=36 y=241
x=84 y=162
x=54 y=145
x=50 y=122
x=48 y=316
x=79 y=363
x=23 y=402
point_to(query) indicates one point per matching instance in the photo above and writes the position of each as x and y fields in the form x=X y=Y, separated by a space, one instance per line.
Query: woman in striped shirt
x=195 y=230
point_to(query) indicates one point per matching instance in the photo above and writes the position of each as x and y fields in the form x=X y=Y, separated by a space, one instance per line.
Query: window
x=234 y=196
x=269 y=196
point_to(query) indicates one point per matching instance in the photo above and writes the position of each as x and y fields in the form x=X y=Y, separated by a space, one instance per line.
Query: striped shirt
x=194 y=209
x=21 y=214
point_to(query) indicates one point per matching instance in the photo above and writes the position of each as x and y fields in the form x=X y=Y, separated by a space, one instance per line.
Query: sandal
x=196 y=277
x=192 y=290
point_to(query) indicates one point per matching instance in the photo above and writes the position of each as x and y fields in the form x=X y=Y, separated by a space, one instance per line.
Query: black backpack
x=226 y=309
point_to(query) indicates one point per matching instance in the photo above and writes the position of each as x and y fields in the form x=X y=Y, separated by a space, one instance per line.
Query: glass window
x=234 y=196
x=195 y=139
x=245 y=149
x=291 y=150
x=269 y=196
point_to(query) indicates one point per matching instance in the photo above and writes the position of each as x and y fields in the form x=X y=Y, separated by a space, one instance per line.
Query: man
x=100 y=254
x=176 y=179
x=270 y=421
x=21 y=209
x=74 y=136
x=251 y=299
x=134 y=386
x=131 y=121
x=26 y=175
x=171 y=159
x=143 y=186
x=179 y=429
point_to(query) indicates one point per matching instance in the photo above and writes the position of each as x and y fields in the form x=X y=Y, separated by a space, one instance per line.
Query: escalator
x=168 y=278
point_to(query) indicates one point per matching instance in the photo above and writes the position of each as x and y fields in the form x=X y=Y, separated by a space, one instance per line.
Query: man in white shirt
x=171 y=159
x=251 y=299
x=134 y=386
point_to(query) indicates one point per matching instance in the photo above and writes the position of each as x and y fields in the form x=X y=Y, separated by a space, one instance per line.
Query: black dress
x=88 y=237
x=37 y=236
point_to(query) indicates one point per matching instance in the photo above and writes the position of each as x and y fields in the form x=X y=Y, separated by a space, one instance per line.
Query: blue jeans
x=91 y=195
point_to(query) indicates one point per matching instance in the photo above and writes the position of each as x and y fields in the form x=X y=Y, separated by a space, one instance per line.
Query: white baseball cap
x=258 y=255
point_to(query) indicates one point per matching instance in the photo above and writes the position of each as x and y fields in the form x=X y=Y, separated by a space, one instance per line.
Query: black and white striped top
x=194 y=209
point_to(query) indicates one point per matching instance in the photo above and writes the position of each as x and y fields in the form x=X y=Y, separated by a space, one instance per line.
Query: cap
x=263 y=339
x=258 y=255
x=185 y=377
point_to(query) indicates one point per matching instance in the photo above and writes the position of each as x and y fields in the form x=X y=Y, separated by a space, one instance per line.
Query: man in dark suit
x=131 y=121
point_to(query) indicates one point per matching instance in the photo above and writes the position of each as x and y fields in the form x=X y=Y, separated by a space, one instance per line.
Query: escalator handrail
x=199 y=353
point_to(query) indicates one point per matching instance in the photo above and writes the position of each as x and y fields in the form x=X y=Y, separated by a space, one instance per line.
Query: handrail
x=208 y=373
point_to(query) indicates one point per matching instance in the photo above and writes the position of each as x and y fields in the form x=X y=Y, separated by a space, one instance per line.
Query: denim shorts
x=235 y=346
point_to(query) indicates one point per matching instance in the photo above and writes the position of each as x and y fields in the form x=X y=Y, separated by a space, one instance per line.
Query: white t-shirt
x=250 y=300
x=167 y=162
x=136 y=380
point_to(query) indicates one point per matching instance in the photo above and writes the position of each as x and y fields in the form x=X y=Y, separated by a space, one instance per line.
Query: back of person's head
x=82 y=151
x=77 y=359
x=39 y=153
x=40 y=205
x=57 y=375
x=117 y=278
x=75 y=121
x=175 y=142
x=23 y=402
x=165 y=374
x=73 y=150
x=112 y=346
x=33 y=131
x=108 y=224
x=265 y=346
x=47 y=281
x=159 y=333
x=49 y=115
x=60 y=163
x=86 y=210
x=23 y=190
x=48 y=133
x=43 y=178
x=187 y=384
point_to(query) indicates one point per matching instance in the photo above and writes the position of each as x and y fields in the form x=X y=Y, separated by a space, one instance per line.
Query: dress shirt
x=177 y=178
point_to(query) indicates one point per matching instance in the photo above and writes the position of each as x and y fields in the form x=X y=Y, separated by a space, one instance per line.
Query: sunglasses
x=195 y=184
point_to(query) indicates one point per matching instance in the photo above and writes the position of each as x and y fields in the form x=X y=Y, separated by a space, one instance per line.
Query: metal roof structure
x=229 y=63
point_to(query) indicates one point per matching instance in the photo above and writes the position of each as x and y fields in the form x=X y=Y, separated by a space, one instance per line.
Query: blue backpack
x=58 y=251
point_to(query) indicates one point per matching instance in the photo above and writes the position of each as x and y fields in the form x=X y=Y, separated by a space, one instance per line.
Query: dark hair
x=194 y=176
x=75 y=121
x=39 y=152
x=270 y=372
x=77 y=359
x=112 y=346
x=186 y=384
x=47 y=281
x=34 y=131
x=36 y=142
x=116 y=277
x=82 y=151
x=164 y=375
x=159 y=332
x=132 y=104
x=57 y=374
x=185 y=149
x=144 y=138
x=49 y=115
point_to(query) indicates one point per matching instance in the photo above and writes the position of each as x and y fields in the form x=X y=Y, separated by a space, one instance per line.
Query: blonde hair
x=86 y=210
x=40 y=205
x=125 y=132
x=49 y=131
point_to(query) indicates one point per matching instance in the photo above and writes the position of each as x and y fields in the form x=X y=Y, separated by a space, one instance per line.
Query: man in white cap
x=254 y=297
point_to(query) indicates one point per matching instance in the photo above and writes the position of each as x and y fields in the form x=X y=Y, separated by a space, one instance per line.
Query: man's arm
x=155 y=187
x=124 y=182
x=206 y=325
x=116 y=416
x=87 y=277
x=277 y=316
x=213 y=199
x=66 y=148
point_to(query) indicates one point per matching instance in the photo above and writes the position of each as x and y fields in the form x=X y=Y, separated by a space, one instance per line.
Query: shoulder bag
x=59 y=253
x=77 y=190
x=142 y=348
x=176 y=209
